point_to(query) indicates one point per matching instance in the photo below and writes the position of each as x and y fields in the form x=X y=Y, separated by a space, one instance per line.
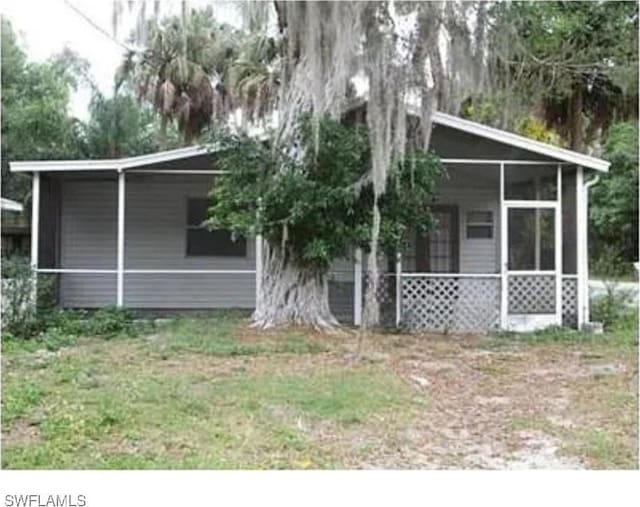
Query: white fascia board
x=163 y=156
x=63 y=165
x=522 y=142
x=107 y=164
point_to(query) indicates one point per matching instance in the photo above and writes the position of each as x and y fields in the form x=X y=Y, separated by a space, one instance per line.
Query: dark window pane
x=479 y=231
x=197 y=211
x=214 y=243
x=525 y=253
x=524 y=182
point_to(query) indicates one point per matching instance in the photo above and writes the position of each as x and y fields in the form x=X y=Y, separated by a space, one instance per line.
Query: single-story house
x=15 y=229
x=509 y=250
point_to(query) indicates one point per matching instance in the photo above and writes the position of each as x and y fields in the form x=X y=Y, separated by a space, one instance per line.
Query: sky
x=45 y=27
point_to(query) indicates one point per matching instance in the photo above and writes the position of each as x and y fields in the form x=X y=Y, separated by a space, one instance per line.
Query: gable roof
x=518 y=141
x=447 y=120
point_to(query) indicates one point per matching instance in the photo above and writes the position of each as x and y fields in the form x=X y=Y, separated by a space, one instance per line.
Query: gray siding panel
x=79 y=290
x=88 y=241
x=189 y=290
x=88 y=232
x=477 y=255
x=155 y=238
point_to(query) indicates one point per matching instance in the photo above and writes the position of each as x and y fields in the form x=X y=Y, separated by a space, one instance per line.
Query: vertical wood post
x=398 y=288
x=581 y=232
x=35 y=232
x=357 y=288
x=120 y=241
x=558 y=247
x=537 y=252
x=504 y=288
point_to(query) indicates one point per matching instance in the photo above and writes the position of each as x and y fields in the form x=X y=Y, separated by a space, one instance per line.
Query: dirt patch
x=23 y=432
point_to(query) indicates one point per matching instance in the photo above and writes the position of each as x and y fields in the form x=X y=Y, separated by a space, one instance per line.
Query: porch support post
x=558 y=248
x=357 y=287
x=35 y=232
x=537 y=252
x=504 y=289
x=581 y=244
x=120 y=241
x=398 y=288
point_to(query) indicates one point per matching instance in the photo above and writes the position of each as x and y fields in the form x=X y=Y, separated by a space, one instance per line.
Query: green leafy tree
x=120 y=127
x=614 y=202
x=312 y=203
x=573 y=63
x=35 y=119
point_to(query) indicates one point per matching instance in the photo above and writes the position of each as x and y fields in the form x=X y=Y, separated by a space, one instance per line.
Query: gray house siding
x=155 y=238
x=88 y=241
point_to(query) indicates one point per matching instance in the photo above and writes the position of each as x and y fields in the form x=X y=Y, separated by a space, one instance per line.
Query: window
x=203 y=242
x=479 y=224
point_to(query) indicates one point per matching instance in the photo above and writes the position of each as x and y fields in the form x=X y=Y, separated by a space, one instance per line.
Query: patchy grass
x=211 y=393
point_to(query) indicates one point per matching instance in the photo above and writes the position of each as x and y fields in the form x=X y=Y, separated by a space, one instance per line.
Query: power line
x=97 y=26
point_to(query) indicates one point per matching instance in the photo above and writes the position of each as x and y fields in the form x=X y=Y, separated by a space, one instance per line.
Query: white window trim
x=482 y=224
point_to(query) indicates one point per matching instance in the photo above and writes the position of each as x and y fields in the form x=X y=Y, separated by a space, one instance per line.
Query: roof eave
x=522 y=142
x=106 y=164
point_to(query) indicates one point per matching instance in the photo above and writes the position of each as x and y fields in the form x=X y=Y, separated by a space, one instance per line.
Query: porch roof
x=445 y=120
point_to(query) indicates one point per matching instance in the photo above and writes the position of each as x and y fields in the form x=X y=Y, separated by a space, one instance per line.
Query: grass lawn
x=211 y=393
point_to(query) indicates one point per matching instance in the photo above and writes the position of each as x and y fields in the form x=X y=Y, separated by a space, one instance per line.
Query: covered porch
x=509 y=250
x=506 y=252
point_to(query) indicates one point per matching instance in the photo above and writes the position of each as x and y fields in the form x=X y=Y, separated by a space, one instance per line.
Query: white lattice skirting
x=450 y=304
x=532 y=294
x=570 y=302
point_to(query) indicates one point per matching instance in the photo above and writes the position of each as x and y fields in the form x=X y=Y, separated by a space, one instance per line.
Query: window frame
x=470 y=223
x=192 y=227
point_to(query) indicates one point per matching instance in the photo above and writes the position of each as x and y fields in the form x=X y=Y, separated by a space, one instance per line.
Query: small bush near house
x=20 y=317
x=612 y=308
x=610 y=265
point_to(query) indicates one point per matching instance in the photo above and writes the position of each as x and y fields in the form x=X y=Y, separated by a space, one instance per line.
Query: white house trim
x=581 y=245
x=558 y=248
x=504 y=264
x=108 y=164
x=120 y=245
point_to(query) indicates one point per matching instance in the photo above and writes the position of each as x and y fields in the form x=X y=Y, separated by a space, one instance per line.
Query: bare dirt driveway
x=210 y=393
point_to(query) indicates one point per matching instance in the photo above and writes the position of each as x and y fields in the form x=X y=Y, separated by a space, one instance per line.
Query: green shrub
x=110 y=322
x=609 y=264
x=613 y=307
x=18 y=310
x=106 y=322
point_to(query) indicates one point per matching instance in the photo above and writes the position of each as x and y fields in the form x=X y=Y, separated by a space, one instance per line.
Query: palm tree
x=183 y=69
x=254 y=76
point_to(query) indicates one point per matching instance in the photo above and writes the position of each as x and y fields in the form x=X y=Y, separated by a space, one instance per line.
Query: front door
x=437 y=252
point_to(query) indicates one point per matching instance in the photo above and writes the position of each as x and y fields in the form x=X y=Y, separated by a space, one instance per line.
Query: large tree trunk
x=371 y=314
x=290 y=294
x=576 y=129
